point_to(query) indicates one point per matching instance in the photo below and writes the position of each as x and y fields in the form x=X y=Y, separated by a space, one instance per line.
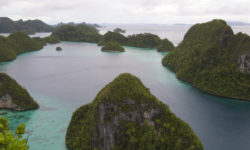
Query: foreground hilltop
x=13 y=96
x=126 y=116
x=212 y=58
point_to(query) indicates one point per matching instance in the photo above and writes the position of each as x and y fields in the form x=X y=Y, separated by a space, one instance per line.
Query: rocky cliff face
x=244 y=63
x=109 y=124
x=125 y=116
x=6 y=102
x=13 y=96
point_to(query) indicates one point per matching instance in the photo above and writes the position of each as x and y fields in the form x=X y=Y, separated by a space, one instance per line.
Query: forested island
x=214 y=59
x=19 y=42
x=13 y=96
x=126 y=116
x=86 y=33
x=165 y=46
x=77 y=33
x=113 y=47
x=83 y=32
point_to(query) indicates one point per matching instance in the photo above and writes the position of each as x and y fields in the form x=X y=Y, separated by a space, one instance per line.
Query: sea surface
x=63 y=81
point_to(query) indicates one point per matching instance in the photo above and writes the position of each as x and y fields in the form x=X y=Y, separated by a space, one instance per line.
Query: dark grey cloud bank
x=127 y=11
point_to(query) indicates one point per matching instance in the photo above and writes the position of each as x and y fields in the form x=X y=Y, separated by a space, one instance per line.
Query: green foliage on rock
x=17 y=43
x=19 y=96
x=82 y=32
x=126 y=116
x=119 y=30
x=6 y=50
x=209 y=58
x=165 y=45
x=112 y=37
x=145 y=40
x=86 y=33
x=21 y=42
x=51 y=39
x=10 y=140
x=113 y=46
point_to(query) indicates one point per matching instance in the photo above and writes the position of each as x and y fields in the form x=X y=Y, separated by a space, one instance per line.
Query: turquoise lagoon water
x=63 y=81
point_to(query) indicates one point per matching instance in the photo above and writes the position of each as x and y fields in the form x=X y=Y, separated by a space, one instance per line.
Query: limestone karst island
x=124 y=75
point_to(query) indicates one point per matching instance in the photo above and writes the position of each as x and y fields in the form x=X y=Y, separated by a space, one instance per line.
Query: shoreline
x=208 y=92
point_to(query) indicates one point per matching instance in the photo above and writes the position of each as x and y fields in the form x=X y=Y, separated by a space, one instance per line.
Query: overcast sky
x=126 y=11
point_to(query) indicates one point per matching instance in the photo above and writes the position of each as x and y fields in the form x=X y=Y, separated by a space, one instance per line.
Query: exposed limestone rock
x=244 y=63
x=6 y=102
x=126 y=116
x=13 y=96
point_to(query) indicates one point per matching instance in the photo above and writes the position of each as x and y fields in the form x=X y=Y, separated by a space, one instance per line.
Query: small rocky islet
x=126 y=116
x=58 y=48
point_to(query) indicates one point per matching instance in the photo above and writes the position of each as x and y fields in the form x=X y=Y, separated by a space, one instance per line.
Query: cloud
x=126 y=11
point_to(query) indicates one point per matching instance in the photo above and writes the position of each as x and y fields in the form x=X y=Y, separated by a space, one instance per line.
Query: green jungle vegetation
x=50 y=39
x=165 y=45
x=87 y=33
x=6 y=50
x=77 y=33
x=17 y=43
x=208 y=59
x=12 y=140
x=111 y=113
x=21 y=42
x=20 y=96
x=144 y=40
x=113 y=46
x=119 y=30
x=30 y=26
x=112 y=37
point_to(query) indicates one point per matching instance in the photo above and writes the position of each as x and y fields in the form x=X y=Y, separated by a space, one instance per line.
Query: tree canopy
x=165 y=45
x=119 y=30
x=10 y=140
x=208 y=58
x=81 y=32
x=113 y=46
x=145 y=40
